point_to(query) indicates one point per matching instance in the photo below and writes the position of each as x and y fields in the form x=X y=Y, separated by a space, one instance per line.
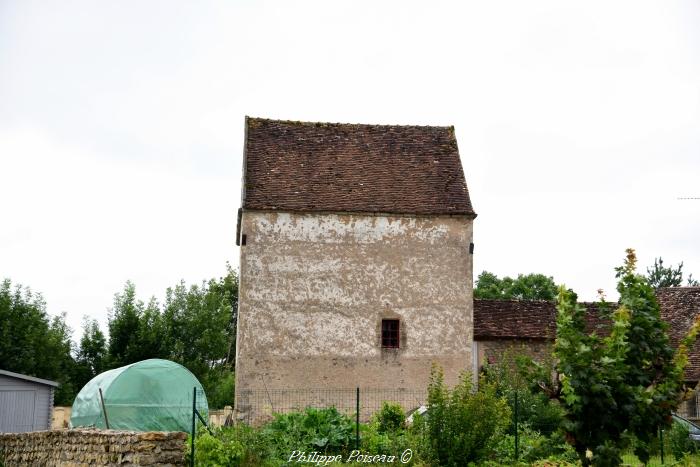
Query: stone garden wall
x=89 y=447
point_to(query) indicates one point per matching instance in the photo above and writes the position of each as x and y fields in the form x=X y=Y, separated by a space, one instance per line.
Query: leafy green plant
x=679 y=442
x=533 y=446
x=518 y=373
x=463 y=424
x=213 y=451
x=390 y=418
x=394 y=443
x=239 y=445
x=322 y=430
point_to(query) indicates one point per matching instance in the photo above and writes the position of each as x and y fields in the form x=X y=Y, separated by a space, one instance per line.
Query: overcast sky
x=121 y=128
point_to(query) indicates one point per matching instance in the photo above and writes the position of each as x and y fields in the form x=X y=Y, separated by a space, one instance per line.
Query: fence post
x=194 y=415
x=661 y=438
x=516 y=425
x=357 y=419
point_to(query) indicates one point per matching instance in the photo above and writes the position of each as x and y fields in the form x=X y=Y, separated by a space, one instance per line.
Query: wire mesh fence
x=255 y=406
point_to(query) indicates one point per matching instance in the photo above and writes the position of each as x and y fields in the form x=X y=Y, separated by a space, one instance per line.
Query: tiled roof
x=679 y=308
x=523 y=319
x=339 y=167
x=526 y=319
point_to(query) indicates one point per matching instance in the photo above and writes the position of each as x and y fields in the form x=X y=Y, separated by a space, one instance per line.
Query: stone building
x=503 y=327
x=355 y=261
x=526 y=327
x=680 y=307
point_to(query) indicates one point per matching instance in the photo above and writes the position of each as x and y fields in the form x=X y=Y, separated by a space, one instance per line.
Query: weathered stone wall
x=83 y=448
x=493 y=351
x=314 y=289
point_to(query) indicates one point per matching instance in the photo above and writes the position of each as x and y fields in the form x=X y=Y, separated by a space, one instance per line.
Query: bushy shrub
x=463 y=423
x=376 y=440
x=518 y=373
x=533 y=446
x=213 y=451
x=390 y=418
x=679 y=442
x=235 y=446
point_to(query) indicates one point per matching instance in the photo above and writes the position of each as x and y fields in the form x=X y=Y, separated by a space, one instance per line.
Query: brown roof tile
x=524 y=319
x=679 y=308
x=299 y=166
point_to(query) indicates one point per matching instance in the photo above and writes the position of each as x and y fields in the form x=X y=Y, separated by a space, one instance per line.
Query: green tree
x=196 y=327
x=200 y=325
x=33 y=343
x=92 y=353
x=123 y=323
x=60 y=359
x=659 y=275
x=135 y=329
x=622 y=386
x=524 y=287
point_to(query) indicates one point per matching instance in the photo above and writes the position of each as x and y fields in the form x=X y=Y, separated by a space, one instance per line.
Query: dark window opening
x=390 y=333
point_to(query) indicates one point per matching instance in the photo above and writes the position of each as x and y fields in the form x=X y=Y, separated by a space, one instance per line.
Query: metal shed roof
x=29 y=378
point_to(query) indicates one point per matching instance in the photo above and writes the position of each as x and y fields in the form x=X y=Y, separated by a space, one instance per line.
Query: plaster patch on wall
x=333 y=228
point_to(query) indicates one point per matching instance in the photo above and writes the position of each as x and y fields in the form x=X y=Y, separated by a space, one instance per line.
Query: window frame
x=390 y=337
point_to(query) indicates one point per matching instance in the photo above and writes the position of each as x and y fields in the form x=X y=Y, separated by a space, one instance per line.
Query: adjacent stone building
x=526 y=327
x=508 y=327
x=356 y=260
x=680 y=307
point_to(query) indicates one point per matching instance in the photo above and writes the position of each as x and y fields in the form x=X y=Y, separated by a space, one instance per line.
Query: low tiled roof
x=339 y=167
x=679 y=308
x=527 y=319
x=524 y=319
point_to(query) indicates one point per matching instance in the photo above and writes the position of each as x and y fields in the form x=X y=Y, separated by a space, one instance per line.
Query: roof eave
x=33 y=379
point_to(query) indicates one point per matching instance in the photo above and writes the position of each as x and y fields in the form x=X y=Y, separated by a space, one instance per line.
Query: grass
x=630 y=460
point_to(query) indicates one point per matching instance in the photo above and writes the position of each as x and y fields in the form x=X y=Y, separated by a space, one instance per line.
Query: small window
x=390 y=333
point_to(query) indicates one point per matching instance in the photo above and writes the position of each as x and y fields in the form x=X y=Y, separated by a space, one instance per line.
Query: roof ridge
x=321 y=124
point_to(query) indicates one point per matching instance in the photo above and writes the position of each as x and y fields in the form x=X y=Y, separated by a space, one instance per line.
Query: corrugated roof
x=340 y=167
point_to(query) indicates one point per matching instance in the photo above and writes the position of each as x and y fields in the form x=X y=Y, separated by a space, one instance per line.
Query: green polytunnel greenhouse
x=151 y=395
